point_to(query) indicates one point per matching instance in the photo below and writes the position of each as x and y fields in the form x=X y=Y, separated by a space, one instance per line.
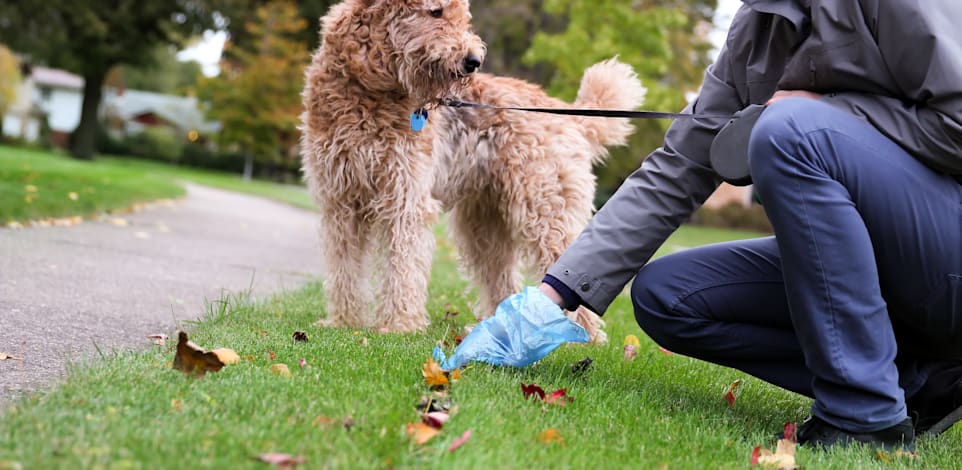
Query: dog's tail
x=609 y=85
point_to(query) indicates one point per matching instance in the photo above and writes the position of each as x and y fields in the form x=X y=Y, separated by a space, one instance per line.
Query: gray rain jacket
x=895 y=63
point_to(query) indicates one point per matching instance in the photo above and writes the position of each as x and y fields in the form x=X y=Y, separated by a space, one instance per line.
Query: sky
x=207 y=51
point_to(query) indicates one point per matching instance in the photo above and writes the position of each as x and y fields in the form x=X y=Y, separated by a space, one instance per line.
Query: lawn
x=37 y=185
x=350 y=405
x=40 y=185
x=294 y=195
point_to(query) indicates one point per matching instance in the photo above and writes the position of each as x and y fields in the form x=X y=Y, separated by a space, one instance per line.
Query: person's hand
x=782 y=94
x=526 y=327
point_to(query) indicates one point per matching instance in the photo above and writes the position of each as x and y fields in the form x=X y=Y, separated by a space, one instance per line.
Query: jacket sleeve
x=672 y=182
x=921 y=43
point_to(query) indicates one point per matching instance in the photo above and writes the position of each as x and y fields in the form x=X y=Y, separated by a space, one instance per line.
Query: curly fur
x=518 y=187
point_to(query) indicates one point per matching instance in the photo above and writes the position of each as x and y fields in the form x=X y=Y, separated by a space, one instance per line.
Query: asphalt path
x=66 y=292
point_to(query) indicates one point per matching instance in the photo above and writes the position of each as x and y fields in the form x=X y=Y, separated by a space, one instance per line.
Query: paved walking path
x=66 y=291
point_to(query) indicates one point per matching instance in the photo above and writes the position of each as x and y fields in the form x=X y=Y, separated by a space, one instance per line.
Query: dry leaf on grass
x=888 y=457
x=420 y=433
x=435 y=419
x=227 y=356
x=159 y=339
x=282 y=460
x=550 y=436
x=558 y=397
x=281 y=370
x=433 y=374
x=460 y=441
x=532 y=389
x=731 y=393
x=194 y=360
x=782 y=459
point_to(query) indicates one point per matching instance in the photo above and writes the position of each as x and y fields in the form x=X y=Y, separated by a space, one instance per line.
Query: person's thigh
x=726 y=304
x=911 y=213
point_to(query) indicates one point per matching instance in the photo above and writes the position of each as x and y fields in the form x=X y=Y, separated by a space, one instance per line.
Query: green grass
x=38 y=185
x=294 y=195
x=132 y=410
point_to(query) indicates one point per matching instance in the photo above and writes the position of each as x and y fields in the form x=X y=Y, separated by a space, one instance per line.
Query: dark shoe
x=938 y=404
x=814 y=432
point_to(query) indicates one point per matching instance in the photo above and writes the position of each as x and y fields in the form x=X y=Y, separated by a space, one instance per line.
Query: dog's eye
x=437 y=13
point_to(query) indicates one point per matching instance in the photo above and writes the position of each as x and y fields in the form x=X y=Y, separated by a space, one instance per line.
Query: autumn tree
x=91 y=37
x=9 y=79
x=666 y=41
x=163 y=73
x=256 y=97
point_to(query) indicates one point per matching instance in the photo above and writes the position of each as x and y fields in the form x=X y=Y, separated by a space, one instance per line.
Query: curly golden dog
x=517 y=187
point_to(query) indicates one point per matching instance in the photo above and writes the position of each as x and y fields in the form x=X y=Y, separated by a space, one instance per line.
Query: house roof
x=56 y=78
x=181 y=111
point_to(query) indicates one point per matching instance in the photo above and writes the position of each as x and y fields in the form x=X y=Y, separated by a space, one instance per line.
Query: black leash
x=614 y=113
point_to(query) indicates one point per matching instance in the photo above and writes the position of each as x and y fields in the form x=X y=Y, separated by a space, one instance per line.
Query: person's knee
x=653 y=300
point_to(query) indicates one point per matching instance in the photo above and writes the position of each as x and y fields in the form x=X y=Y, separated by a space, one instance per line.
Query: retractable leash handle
x=729 y=151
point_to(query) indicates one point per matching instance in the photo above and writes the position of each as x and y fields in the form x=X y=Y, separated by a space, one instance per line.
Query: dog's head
x=420 y=47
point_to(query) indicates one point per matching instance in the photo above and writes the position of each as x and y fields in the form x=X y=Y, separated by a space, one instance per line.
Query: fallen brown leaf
x=433 y=374
x=420 y=432
x=282 y=460
x=460 y=441
x=731 y=393
x=532 y=389
x=435 y=419
x=550 y=436
x=281 y=370
x=227 y=356
x=782 y=459
x=159 y=339
x=194 y=360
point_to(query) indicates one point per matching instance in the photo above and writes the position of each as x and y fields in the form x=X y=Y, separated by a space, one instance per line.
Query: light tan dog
x=518 y=187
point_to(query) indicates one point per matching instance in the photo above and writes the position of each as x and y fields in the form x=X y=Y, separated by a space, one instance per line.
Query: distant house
x=56 y=96
x=129 y=112
x=45 y=94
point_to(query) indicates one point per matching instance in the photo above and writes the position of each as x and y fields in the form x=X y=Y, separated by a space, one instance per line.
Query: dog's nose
x=471 y=63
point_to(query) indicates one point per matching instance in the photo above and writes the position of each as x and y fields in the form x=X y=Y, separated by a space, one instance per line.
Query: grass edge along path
x=351 y=402
x=40 y=186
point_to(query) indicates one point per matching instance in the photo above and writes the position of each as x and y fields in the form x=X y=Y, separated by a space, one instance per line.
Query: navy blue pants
x=857 y=295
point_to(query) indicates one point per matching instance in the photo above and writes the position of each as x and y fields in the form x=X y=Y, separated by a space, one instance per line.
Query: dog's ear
x=355 y=37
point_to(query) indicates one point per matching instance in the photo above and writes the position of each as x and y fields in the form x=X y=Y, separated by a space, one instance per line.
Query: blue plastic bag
x=526 y=327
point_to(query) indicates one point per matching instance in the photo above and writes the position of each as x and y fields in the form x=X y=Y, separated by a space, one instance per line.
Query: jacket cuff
x=571 y=300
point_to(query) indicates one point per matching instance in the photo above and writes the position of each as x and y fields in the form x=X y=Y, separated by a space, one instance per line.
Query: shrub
x=156 y=143
x=734 y=216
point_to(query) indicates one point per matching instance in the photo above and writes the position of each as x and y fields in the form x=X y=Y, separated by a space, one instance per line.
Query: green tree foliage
x=9 y=79
x=90 y=37
x=257 y=95
x=242 y=12
x=665 y=40
x=163 y=73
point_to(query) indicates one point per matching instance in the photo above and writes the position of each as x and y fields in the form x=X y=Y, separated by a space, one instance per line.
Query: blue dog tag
x=419 y=119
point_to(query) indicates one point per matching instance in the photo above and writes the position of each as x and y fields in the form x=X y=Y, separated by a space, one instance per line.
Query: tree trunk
x=248 y=167
x=84 y=138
